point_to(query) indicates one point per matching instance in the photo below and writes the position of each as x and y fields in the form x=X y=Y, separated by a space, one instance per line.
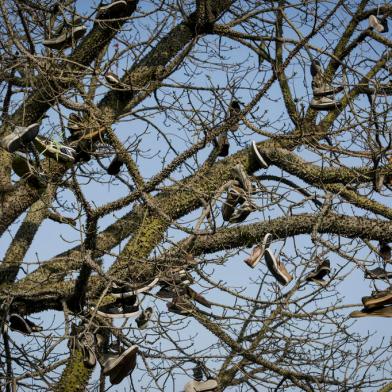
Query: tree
x=149 y=95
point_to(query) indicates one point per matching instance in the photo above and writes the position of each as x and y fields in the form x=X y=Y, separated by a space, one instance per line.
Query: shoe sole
x=272 y=265
x=371 y=302
x=258 y=155
x=325 y=107
x=137 y=291
x=128 y=352
x=331 y=91
x=379 y=312
x=26 y=137
x=264 y=245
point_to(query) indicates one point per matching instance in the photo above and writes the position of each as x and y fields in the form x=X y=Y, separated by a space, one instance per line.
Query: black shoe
x=198 y=372
x=223 y=145
x=144 y=318
x=378 y=273
x=21 y=136
x=129 y=290
x=385 y=251
x=316 y=68
x=241 y=213
x=111 y=8
x=115 y=166
x=180 y=306
x=318 y=274
x=121 y=308
x=66 y=39
x=23 y=325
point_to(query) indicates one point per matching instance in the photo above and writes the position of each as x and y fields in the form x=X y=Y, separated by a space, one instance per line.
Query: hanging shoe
x=378 y=273
x=316 y=68
x=201 y=386
x=115 y=7
x=223 y=145
x=319 y=273
x=192 y=294
x=234 y=111
x=115 y=166
x=74 y=123
x=55 y=150
x=234 y=195
x=385 y=311
x=23 y=325
x=259 y=157
x=324 y=103
x=258 y=251
x=277 y=269
x=21 y=136
x=87 y=343
x=385 y=252
x=121 y=308
x=381 y=27
x=325 y=89
x=242 y=212
x=112 y=79
x=180 y=306
x=377 y=299
x=71 y=35
x=238 y=172
x=166 y=292
x=129 y=290
x=198 y=372
x=176 y=276
x=144 y=318
x=118 y=365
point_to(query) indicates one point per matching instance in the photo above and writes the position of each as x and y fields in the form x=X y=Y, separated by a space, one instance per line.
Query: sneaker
x=176 y=277
x=277 y=269
x=259 y=157
x=55 y=150
x=234 y=110
x=121 y=308
x=180 y=306
x=74 y=123
x=119 y=365
x=19 y=137
x=379 y=298
x=197 y=297
x=223 y=144
x=238 y=172
x=27 y=171
x=129 y=290
x=201 y=386
x=258 y=251
x=385 y=251
x=324 y=103
x=381 y=27
x=23 y=325
x=114 y=7
x=144 y=318
x=318 y=274
x=65 y=40
x=241 y=213
x=376 y=312
x=234 y=196
x=166 y=292
x=115 y=166
x=198 y=372
x=87 y=342
x=112 y=79
x=325 y=89
x=378 y=273
x=316 y=68
x=130 y=306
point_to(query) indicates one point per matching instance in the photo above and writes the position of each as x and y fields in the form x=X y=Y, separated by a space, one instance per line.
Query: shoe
x=87 y=342
x=26 y=171
x=19 y=137
x=259 y=157
x=238 y=172
x=119 y=365
x=144 y=318
x=82 y=156
x=379 y=298
x=223 y=144
x=129 y=290
x=115 y=166
x=385 y=311
x=325 y=89
x=198 y=372
x=121 y=308
x=55 y=150
x=74 y=123
x=197 y=297
x=176 y=277
x=381 y=27
x=201 y=386
x=318 y=274
x=112 y=79
x=258 y=251
x=65 y=40
x=114 y=7
x=385 y=251
x=180 y=306
x=241 y=213
x=166 y=292
x=234 y=110
x=378 y=273
x=234 y=196
x=277 y=269
x=324 y=103
x=316 y=68
x=23 y=325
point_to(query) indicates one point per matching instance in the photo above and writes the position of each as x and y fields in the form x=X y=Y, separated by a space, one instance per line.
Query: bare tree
x=195 y=190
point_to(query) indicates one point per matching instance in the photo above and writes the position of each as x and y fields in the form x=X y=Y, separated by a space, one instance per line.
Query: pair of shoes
x=20 y=137
x=106 y=11
x=379 y=26
x=144 y=318
x=55 y=150
x=124 y=307
x=321 y=89
x=23 y=325
x=115 y=166
x=258 y=251
x=379 y=304
x=319 y=273
x=25 y=169
x=119 y=364
x=201 y=386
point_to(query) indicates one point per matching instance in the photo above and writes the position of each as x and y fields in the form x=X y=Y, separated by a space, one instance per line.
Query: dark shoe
x=121 y=308
x=82 y=156
x=201 y=386
x=112 y=79
x=198 y=372
x=197 y=297
x=115 y=166
x=234 y=196
x=242 y=212
x=180 y=306
x=234 y=110
x=259 y=157
x=376 y=312
x=87 y=343
x=385 y=252
x=325 y=89
x=74 y=123
x=65 y=40
x=23 y=325
x=324 y=103
x=318 y=274
x=277 y=269
x=119 y=365
x=144 y=318
x=176 y=277
x=378 y=273
x=129 y=290
x=166 y=292
x=20 y=137
x=27 y=171
x=223 y=145
x=258 y=251
x=55 y=150
x=112 y=8
x=380 y=298
x=316 y=68
x=238 y=172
